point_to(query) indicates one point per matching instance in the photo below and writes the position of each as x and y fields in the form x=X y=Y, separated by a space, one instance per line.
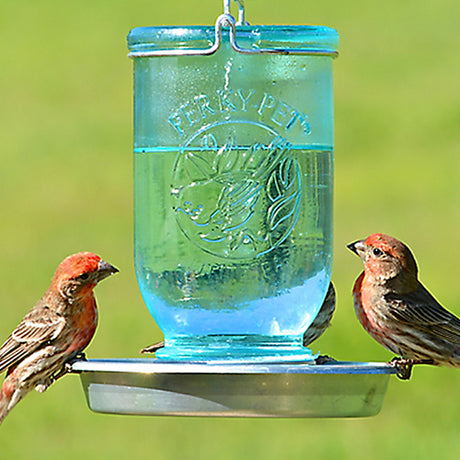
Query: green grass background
x=66 y=185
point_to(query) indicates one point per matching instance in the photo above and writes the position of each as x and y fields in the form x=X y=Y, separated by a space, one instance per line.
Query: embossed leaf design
x=262 y=160
x=197 y=167
x=226 y=159
x=283 y=189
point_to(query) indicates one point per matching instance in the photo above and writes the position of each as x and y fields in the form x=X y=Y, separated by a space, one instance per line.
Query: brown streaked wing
x=38 y=327
x=421 y=310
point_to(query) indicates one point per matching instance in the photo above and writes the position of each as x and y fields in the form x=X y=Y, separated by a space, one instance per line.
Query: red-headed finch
x=57 y=329
x=397 y=311
x=314 y=331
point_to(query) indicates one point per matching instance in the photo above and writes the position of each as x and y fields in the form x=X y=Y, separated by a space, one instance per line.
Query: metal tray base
x=154 y=387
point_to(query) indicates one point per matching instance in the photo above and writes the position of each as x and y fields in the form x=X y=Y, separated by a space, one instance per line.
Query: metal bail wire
x=227 y=20
x=241 y=20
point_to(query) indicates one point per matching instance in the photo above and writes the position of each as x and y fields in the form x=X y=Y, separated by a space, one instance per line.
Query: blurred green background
x=66 y=185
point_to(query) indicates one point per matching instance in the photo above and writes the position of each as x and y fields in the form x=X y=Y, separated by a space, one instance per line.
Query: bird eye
x=84 y=276
x=377 y=252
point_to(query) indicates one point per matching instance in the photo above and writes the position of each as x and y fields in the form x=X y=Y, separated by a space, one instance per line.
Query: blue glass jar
x=233 y=180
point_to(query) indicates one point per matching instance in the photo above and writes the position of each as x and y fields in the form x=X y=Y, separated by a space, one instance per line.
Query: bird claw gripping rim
x=404 y=366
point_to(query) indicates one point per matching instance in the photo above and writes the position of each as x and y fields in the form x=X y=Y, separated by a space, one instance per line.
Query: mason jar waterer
x=233 y=185
x=233 y=158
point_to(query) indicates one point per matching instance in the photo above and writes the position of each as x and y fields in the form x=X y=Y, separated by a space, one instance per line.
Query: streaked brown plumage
x=57 y=328
x=396 y=309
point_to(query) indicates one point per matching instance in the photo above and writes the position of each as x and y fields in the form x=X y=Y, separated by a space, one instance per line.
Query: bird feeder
x=233 y=186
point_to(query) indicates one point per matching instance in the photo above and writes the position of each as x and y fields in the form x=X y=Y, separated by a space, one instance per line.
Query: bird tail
x=4 y=406
x=10 y=395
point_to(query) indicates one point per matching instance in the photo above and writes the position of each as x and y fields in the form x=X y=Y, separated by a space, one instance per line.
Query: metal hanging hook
x=241 y=20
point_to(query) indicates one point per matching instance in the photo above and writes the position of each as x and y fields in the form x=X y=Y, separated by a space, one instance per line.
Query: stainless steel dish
x=152 y=387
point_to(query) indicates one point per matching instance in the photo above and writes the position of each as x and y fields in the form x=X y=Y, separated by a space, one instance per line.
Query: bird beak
x=104 y=270
x=359 y=248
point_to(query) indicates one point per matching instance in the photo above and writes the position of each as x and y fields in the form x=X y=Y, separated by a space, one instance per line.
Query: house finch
x=55 y=331
x=316 y=328
x=398 y=312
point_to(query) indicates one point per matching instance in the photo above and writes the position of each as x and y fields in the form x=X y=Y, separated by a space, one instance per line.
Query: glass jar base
x=237 y=349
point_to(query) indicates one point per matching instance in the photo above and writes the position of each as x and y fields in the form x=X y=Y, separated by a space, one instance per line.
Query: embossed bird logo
x=249 y=194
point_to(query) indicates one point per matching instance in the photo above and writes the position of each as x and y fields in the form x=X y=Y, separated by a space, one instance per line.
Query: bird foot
x=153 y=348
x=324 y=359
x=78 y=357
x=404 y=366
x=67 y=367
